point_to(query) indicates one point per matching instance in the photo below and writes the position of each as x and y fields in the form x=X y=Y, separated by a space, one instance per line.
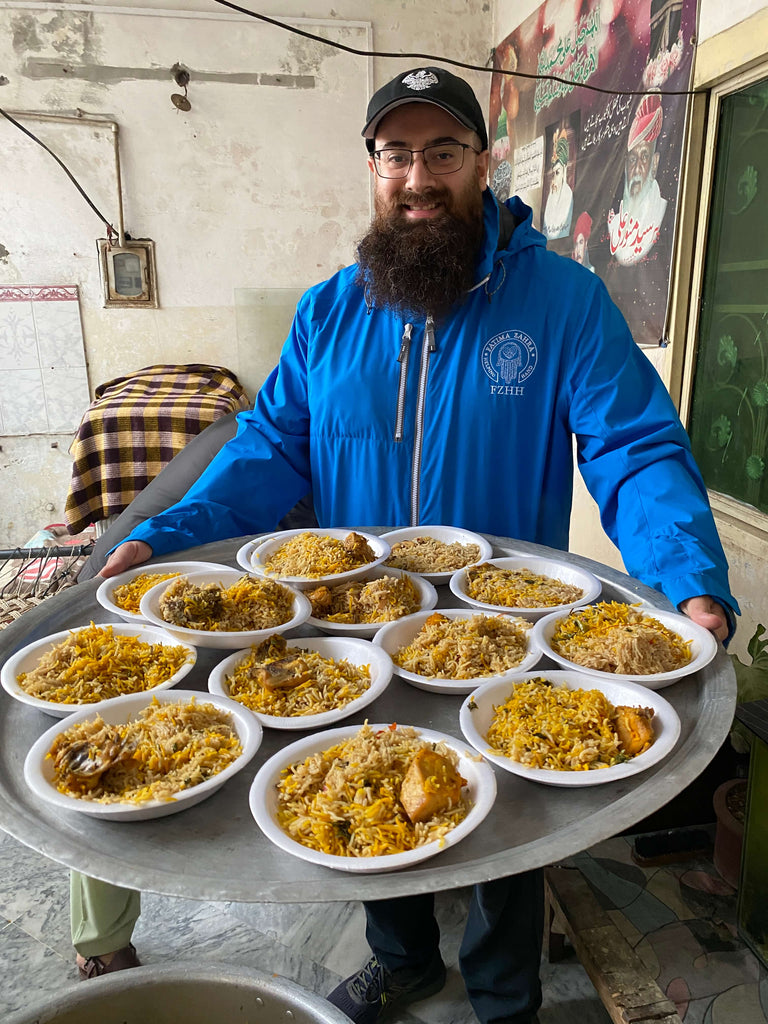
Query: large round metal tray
x=215 y=851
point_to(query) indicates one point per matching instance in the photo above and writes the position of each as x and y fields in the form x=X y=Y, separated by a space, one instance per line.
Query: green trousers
x=102 y=915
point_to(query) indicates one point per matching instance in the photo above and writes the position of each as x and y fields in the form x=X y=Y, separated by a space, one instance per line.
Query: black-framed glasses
x=444 y=158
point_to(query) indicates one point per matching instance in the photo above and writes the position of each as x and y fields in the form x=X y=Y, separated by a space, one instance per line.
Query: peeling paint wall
x=261 y=185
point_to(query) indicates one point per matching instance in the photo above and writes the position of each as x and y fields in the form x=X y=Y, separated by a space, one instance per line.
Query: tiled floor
x=678 y=918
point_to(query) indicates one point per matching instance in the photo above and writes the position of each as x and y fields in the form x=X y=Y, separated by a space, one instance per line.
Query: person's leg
x=403 y=932
x=406 y=964
x=501 y=950
x=102 y=919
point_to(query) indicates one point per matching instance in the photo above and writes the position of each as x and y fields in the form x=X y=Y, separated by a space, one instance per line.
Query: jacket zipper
x=427 y=348
x=405 y=351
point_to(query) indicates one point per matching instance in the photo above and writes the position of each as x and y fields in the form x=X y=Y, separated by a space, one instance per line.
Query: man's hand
x=707 y=613
x=122 y=558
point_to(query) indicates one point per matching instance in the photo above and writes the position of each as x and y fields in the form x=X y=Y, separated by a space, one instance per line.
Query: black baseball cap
x=426 y=85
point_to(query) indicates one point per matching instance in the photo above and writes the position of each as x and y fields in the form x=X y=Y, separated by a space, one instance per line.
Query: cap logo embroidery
x=420 y=80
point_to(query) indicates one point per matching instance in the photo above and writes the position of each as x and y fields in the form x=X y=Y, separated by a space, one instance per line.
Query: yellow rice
x=615 y=637
x=249 y=604
x=345 y=800
x=481 y=645
x=311 y=556
x=333 y=684
x=383 y=599
x=546 y=726
x=95 y=663
x=428 y=554
x=128 y=595
x=173 y=747
x=518 y=588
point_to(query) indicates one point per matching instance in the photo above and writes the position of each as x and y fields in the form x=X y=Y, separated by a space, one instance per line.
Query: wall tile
x=43 y=375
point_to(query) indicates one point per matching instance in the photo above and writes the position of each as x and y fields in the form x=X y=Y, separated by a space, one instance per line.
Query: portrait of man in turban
x=558 y=212
x=581 y=233
x=634 y=230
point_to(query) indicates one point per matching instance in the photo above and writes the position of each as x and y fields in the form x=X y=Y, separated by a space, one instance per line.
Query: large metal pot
x=184 y=991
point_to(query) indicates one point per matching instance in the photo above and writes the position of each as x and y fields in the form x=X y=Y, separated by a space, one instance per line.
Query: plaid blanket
x=135 y=426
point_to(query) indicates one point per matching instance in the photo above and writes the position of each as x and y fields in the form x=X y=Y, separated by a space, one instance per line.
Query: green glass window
x=729 y=409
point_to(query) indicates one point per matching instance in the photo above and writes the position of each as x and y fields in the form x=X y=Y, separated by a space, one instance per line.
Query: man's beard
x=422 y=267
x=633 y=203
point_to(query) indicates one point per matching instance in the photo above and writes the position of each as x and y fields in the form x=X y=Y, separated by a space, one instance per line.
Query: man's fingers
x=131 y=553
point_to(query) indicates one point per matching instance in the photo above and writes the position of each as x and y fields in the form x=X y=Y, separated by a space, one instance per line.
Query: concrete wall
x=259 y=190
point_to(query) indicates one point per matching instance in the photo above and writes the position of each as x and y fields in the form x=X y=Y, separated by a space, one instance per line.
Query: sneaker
x=370 y=995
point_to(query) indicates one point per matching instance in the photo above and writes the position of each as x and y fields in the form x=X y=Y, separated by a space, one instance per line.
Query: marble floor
x=315 y=945
x=679 y=919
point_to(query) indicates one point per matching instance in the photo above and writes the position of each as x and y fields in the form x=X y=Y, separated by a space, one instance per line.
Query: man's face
x=423 y=196
x=579 y=248
x=558 y=175
x=642 y=162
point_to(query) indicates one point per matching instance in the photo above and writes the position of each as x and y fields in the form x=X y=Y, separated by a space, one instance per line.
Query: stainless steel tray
x=215 y=851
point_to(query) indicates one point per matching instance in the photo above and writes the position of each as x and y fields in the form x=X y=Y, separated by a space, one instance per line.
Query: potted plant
x=730 y=797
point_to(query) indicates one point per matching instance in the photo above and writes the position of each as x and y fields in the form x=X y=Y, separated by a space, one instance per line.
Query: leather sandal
x=95 y=966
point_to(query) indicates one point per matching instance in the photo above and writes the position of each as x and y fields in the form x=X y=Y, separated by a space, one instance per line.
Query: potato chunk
x=430 y=785
x=634 y=727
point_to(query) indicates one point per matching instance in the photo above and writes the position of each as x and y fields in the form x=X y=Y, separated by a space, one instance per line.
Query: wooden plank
x=628 y=992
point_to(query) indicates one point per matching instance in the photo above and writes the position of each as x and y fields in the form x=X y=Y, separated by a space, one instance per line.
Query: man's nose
x=419 y=174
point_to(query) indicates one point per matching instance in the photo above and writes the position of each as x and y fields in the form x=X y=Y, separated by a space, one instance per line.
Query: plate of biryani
x=303 y=683
x=525 y=585
x=90 y=664
x=142 y=756
x=453 y=650
x=635 y=643
x=224 y=608
x=122 y=594
x=435 y=552
x=569 y=728
x=307 y=558
x=362 y=606
x=372 y=798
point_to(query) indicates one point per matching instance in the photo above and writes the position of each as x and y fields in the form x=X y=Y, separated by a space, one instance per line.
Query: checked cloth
x=135 y=426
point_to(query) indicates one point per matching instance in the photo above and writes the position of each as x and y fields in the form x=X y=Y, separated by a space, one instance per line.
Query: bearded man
x=441 y=380
x=558 y=212
x=634 y=230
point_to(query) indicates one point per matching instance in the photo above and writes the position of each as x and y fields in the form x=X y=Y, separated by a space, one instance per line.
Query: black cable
x=110 y=230
x=456 y=63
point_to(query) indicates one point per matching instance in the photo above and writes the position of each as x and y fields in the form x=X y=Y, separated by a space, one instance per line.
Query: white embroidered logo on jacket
x=508 y=360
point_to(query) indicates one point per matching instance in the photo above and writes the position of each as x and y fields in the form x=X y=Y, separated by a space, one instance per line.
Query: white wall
x=716 y=16
x=259 y=187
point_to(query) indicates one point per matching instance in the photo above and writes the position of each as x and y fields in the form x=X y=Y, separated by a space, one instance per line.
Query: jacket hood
x=508 y=228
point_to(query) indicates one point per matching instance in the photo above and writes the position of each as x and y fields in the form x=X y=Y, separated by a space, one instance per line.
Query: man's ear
x=655 y=164
x=483 y=160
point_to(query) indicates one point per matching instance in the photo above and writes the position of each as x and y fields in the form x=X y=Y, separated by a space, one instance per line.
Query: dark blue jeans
x=500 y=951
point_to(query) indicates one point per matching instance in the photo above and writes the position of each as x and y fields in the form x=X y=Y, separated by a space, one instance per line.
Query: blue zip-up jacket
x=468 y=423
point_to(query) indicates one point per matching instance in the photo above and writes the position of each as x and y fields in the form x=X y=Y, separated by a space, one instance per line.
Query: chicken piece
x=273 y=647
x=430 y=785
x=81 y=763
x=634 y=727
x=185 y=604
x=435 y=619
x=282 y=675
x=359 y=548
x=321 y=600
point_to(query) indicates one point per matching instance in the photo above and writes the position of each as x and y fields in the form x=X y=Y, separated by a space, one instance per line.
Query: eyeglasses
x=441 y=159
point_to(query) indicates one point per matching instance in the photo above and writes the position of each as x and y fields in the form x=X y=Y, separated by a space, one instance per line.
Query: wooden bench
x=628 y=992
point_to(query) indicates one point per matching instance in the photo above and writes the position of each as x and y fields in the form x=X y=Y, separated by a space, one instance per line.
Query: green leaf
x=727 y=353
x=755 y=467
x=758 y=647
x=720 y=432
x=760 y=393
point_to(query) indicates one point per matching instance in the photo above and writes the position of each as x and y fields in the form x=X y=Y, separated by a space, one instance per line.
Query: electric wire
x=432 y=58
x=110 y=229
